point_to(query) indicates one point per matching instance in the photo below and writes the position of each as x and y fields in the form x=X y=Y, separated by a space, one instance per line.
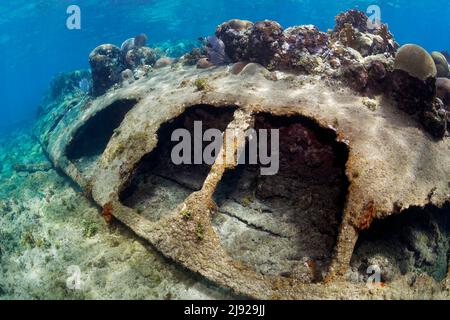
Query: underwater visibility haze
x=351 y=202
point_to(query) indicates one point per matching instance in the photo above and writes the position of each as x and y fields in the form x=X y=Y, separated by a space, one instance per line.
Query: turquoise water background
x=35 y=43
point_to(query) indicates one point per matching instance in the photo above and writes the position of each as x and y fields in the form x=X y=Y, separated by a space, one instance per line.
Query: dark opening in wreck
x=413 y=242
x=286 y=224
x=157 y=185
x=92 y=138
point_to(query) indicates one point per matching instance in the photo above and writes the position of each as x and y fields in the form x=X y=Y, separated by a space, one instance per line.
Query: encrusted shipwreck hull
x=115 y=148
x=346 y=160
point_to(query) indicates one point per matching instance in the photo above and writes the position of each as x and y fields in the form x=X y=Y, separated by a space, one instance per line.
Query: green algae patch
x=201 y=84
x=90 y=228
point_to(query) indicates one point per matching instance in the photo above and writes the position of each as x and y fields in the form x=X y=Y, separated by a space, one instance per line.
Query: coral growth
x=134 y=43
x=302 y=48
x=356 y=19
x=201 y=84
x=265 y=43
x=204 y=63
x=216 y=51
x=414 y=89
x=347 y=156
x=64 y=84
x=441 y=64
x=305 y=48
x=235 y=35
x=359 y=53
x=127 y=76
x=163 y=62
x=140 y=56
x=306 y=39
x=443 y=91
x=194 y=56
x=416 y=61
x=106 y=64
x=352 y=29
x=176 y=49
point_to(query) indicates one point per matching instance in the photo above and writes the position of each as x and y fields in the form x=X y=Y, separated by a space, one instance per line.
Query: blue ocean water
x=35 y=43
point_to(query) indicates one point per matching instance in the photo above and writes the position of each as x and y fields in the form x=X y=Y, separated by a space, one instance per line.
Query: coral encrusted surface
x=364 y=174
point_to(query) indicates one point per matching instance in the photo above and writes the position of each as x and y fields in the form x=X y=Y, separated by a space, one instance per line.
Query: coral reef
x=305 y=48
x=235 y=35
x=443 y=91
x=411 y=244
x=216 y=51
x=441 y=64
x=194 y=56
x=446 y=55
x=140 y=56
x=134 y=43
x=416 y=61
x=355 y=18
x=163 y=62
x=414 y=88
x=268 y=44
x=176 y=49
x=265 y=42
x=204 y=63
x=337 y=99
x=127 y=76
x=65 y=84
x=353 y=31
x=106 y=64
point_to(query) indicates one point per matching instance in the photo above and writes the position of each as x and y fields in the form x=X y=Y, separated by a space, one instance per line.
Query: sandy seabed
x=47 y=227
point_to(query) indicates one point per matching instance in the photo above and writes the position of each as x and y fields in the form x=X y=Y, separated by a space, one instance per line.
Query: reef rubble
x=365 y=138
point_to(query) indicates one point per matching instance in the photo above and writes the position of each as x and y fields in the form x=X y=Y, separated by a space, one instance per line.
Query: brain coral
x=443 y=90
x=441 y=64
x=415 y=61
